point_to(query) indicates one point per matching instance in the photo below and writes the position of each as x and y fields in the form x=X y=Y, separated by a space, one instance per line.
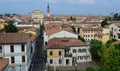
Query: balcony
x=68 y=55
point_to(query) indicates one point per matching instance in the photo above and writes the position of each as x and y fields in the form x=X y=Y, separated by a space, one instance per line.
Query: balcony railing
x=68 y=55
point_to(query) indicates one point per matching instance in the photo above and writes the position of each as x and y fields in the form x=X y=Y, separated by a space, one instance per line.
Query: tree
x=78 y=31
x=90 y=69
x=111 y=41
x=104 y=68
x=110 y=57
x=80 y=38
x=95 y=46
x=104 y=22
x=74 y=29
x=71 y=19
x=117 y=46
x=10 y=28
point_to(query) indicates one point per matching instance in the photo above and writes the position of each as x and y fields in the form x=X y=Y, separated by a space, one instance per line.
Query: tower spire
x=48 y=11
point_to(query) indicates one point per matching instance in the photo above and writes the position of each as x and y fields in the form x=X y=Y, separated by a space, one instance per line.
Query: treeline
x=107 y=56
x=8 y=15
x=116 y=17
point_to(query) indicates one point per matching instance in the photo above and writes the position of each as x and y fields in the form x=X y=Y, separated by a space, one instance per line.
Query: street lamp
x=76 y=66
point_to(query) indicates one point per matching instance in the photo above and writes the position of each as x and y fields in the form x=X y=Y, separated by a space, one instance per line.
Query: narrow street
x=38 y=62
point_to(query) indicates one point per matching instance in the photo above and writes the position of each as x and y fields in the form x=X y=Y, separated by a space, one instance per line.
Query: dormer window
x=65 y=41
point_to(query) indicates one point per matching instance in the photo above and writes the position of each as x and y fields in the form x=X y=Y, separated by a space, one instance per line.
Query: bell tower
x=48 y=11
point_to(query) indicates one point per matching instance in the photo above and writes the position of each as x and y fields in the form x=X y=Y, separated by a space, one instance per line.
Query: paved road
x=38 y=62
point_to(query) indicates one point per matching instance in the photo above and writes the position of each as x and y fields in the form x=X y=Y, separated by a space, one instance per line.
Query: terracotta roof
x=27 y=28
x=52 y=25
x=68 y=30
x=58 y=29
x=117 y=24
x=52 y=19
x=117 y=42
x=99 y=33
x=53 y=30
x=60 y=43
x=3 y=63
x=91 y=29
x=7 y=38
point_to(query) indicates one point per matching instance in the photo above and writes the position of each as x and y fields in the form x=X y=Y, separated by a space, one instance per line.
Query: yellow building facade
x=55 y=53
x=104 y=36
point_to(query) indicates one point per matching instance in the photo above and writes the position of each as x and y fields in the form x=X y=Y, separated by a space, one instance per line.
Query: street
x=38 y=61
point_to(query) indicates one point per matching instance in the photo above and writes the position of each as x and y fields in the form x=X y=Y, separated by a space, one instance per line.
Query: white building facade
x=114 y=31
x=19 y=53
x=60 y=34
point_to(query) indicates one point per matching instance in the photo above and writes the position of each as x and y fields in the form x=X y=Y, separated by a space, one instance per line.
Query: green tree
x=110 y=57
x=104 y=22
x=78 y=31
x=111 y=41
x=90 y=69
x=104 y=68
x=80 y=38
x=74 y=29
x=117 y=46
x=10 y=28
x=95 y=46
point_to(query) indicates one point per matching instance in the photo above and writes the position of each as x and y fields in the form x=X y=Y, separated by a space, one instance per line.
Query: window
x=45 y=42
x=114 y=36
x=23 y=58
x=83 y=50
x=51 y=53
x=91 y=35
x=79 y=50
x=23 y=47
x=1 y=57
x=51 y=61
x=0 y=49
x=74 y=50
x=67 y=61
x=60 y=53
x=60 y=61
x=11 y=48
x=83 y=35
x=85 y=57
x=88 y=35
x=81 y=57
x=12 y=60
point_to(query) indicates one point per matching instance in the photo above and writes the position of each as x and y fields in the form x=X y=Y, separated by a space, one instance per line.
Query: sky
x=61 y=7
